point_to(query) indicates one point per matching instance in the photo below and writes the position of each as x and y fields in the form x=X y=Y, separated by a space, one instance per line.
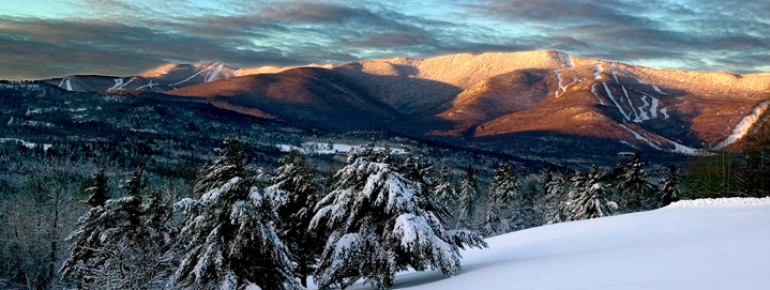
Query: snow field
x=700 y=244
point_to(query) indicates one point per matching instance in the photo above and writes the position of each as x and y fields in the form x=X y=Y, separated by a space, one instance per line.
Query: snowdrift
x=700 y=244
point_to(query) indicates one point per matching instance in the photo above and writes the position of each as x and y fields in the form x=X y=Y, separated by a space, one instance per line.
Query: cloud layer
x=116 y=37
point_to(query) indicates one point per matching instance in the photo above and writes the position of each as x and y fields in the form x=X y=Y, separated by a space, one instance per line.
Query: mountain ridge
x=475 y=97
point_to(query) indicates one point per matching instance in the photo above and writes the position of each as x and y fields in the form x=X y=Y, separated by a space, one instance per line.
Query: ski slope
x=703 y=244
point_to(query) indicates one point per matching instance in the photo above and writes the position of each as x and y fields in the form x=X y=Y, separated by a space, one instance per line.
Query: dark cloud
x=121 y=37
x=696 y=33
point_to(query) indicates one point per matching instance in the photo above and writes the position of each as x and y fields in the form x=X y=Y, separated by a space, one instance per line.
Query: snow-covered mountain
x=502 y=100
x=699 y=244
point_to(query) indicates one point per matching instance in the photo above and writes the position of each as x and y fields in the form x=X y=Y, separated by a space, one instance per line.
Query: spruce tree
x=553 y=187
x=635 y=187
x=228 y=236
x=504 y=196
x=467 y=197
x=668 y=188
x=86 y=254
x=589 y=197
x=126 y=242
x=296 y=183
x=378 y=224
x=98 y=190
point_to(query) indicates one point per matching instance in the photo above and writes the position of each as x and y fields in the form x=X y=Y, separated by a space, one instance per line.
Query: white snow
x=628 y=73
x=66 y=84
x=721 y=202
x=639 y=136
x=593 y=91
x=612 y=98
x=657 y=89
x=214 y=74
x=642 y=116
x=25 y=143
x=664 y=112
x=327 y=148
x=701 y=244
x=614 y=75
x=744 y=125
x=630 y=104
x=562 y=88
x=654 y=107
x=558 y=76
x=566 y=59
x=118 y=84
x=597 y=71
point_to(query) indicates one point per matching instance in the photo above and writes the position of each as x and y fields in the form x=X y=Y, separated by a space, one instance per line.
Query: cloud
x=120 y=37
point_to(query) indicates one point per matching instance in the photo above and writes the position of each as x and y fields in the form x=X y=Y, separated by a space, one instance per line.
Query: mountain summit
x=500 y=100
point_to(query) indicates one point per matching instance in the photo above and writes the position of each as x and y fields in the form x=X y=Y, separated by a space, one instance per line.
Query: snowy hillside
x=703 y=244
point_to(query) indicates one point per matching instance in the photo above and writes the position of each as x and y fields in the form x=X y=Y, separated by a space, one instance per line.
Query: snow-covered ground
x=329 y=148
x=701 y=244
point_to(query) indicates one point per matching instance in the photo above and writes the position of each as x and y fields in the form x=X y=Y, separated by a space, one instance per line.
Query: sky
x=45 y=38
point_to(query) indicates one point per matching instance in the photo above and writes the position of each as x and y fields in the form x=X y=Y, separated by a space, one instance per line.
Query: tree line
x=379 y=214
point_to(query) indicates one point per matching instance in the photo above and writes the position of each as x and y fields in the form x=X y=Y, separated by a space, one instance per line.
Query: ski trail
x=558 y=76
x=630 y=104
x=654 y=107
x=61 y=83
x=593 y=91
x=628 y=73
x=663 y=111
x=612 y=98
x=150 y=84
x=614 y=75
x=597 y=71
x=187 y=79
x=566 y=60
x=562 y=88
x=640 y=137
x=657 y=89
x=211 y=76
x=744 y=125
x=118 y=84
x=69 y=84
x=642 y=112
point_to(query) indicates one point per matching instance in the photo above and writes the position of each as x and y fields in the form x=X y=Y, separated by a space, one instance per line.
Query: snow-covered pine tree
x=228 y=237
x=97 y=189
x=296 y=183
x=504 y=196
x=668 y=188
x=377 y=226
x=86 y=255
x=467 y=198
x=557 y=200
x=127 y=242
x=444 y=188
x=589 y=197
x=635 y=187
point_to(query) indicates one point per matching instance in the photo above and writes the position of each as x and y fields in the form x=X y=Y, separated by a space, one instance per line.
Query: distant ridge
x=502 y=100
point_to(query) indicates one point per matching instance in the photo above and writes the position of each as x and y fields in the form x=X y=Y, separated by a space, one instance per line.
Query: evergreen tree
x=99 y=192
x=503 y=194
x=297 y=184
x=444 y=188
x=553 y=187
x=228 y=234
x=635 y=187
x=378 y=225
x=86 y=255
x=125 y=241
x=669 y=190
x=467 y=197
x=589 y=197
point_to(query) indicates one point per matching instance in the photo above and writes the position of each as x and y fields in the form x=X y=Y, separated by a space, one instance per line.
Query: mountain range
x=539 y=103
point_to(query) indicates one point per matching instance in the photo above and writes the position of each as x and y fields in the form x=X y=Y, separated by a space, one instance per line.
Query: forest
x=99 y=192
